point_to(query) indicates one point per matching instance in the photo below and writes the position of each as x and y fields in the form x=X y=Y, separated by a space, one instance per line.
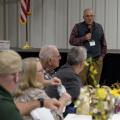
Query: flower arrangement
x=92 y=72
x=116 y=93
x=116 y=89
x=97 y=102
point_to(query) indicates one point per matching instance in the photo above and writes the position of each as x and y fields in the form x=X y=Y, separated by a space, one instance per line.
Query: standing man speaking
x=90 y=35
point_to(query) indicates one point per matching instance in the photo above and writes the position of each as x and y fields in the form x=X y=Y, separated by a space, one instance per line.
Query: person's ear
x=50 y=61
x=81 y=66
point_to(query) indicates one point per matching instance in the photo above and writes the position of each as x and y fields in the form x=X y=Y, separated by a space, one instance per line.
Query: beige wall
x=52 y=20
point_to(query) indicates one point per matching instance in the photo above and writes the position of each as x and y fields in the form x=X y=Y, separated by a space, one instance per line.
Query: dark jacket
x=69 y=79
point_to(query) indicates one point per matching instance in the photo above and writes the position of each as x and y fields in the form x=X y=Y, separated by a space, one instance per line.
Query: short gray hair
x=46 y=52
x=76 y=55
x=88 y=9
x=10 y=62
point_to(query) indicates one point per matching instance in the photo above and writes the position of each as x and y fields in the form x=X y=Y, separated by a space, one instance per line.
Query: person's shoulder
x=64 y=68
x=8 y=110
x=6 y=105
x=65 y=71
x=79 y=24
x=97 y=24
x=5 y=99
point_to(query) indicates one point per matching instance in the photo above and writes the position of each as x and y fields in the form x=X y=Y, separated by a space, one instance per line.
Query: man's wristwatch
x=41 y=102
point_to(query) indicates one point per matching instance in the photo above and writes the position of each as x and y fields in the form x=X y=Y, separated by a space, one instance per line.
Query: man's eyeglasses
x=89 y=15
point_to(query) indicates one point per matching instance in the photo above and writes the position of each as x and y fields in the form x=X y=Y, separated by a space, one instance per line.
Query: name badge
x=92 y=43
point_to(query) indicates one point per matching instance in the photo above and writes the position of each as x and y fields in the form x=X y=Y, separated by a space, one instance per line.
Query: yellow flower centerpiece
x=116 y=89
x=95 y=100
x=116 y=93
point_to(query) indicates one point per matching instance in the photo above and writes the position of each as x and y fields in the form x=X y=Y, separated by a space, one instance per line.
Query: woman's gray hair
x=76 y=55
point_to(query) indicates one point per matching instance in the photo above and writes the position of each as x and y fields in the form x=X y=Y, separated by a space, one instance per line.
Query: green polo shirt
x=8 y=109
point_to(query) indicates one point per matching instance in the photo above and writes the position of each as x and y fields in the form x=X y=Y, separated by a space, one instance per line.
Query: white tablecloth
x=78 y=117
x=41 y=114
x=88 y=117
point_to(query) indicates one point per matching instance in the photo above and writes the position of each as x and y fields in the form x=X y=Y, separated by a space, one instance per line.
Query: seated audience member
x=10 y=68
x=30 y=87
x=69 y=73
x=50 y=58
